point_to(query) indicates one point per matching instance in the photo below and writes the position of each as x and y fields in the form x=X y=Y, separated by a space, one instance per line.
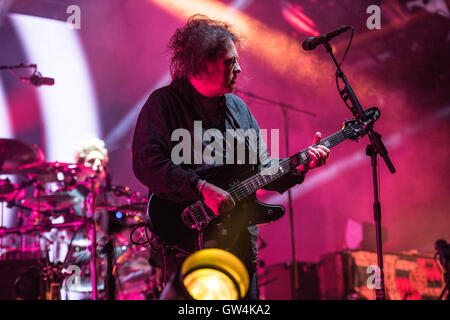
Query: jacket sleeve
x=152 y=164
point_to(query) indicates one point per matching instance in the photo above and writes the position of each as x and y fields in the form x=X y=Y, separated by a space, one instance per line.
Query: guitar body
x=167 y=222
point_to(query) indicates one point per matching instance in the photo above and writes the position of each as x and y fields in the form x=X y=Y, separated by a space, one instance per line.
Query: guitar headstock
x=355 y=129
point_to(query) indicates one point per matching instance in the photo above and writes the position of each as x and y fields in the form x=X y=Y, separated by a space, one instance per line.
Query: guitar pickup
x=198 y=204
x=197 y=214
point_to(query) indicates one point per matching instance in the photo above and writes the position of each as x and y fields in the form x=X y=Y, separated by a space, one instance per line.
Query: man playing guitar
x=204 y=69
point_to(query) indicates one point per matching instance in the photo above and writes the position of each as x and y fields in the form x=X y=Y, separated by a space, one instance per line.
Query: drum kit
x=79 y=231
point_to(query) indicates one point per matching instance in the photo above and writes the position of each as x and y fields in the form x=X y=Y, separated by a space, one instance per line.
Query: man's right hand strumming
x=217 y=199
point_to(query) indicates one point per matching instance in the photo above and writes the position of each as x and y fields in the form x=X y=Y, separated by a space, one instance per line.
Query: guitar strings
x=256 y=182
x=242 y=191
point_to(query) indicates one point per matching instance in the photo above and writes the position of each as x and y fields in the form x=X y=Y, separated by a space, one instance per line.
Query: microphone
x=312 y=42
x=36 y=80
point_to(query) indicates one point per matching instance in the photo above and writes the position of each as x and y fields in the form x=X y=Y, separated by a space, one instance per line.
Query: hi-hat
x=68 y=173
x=57 y=201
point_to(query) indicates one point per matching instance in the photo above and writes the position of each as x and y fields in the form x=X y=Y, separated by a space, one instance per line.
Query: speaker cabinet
x=275 y=282
x=10 y=270
x=349 y=274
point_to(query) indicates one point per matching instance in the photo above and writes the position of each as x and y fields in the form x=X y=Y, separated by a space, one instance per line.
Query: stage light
x=295 y=16
x=214 y=274
x=119 y=215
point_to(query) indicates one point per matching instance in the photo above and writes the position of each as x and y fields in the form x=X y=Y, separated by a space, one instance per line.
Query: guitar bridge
x=195 y=216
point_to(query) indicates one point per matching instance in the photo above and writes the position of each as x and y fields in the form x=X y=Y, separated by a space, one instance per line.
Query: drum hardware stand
x=90 y=203
x=38 y=191
x=110 y=279
x=2 y=200
x=375 y=148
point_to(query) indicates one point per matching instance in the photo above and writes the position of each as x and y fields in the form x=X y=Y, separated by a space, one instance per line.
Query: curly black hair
x=199 y=41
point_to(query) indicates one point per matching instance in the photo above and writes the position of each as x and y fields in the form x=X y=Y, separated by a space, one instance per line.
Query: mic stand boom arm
x=20 y=66
x=375 y=147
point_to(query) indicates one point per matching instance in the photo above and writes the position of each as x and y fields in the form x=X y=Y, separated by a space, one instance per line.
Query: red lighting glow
x=300 y=21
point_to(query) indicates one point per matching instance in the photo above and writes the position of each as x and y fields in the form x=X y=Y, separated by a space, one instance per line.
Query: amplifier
x=10 y=270
x=348 y=275
x=275 y=282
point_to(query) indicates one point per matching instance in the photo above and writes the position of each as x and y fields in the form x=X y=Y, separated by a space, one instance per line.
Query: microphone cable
x=339 y=67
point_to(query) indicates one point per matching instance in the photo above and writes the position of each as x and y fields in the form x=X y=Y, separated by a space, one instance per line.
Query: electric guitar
x=189 y=225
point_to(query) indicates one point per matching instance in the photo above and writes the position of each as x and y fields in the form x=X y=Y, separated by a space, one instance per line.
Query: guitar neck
x=268 y=175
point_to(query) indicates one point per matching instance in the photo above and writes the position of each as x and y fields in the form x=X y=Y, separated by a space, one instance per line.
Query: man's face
x=95 y=160
x=223 y=72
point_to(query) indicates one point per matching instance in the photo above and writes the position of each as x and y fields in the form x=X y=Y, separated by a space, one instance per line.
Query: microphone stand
x=375 y=148
x=20 y=66
x=285 y=108
x=110 y=279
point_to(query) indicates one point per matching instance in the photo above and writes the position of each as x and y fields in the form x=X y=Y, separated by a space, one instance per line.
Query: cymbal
x=15 y=154
x=57 y=171
x=57 y=201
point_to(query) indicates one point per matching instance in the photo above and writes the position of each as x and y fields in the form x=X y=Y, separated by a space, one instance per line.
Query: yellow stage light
x=214 y=274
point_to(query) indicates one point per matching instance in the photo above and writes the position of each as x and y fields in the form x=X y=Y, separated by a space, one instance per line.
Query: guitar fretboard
x=268 y=175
